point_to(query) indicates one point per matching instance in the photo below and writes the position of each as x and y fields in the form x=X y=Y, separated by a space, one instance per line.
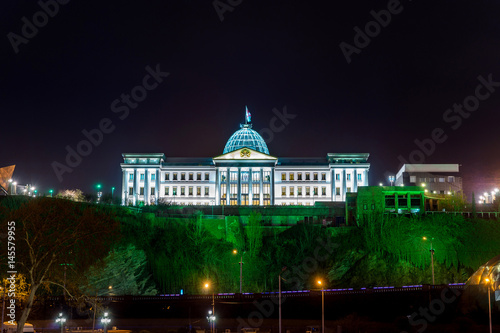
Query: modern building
x=245 y=174
x=436 y=178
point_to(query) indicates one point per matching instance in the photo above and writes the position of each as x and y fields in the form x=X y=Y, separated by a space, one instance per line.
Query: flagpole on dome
x=248 y=116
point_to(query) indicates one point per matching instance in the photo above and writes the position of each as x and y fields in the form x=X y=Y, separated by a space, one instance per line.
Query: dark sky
x=264 y=54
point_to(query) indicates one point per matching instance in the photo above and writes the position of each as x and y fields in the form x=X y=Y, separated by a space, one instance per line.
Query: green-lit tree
x=50 y=232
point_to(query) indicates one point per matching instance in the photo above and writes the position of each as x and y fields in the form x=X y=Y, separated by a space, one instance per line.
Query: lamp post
x=391 y=179
x=105 y=321
x=51 y=191
x=211 y=318
x=112 y=193
x=241 y=269
x=488 y=285
x=98 y=192
x=61 y=320
x=322 y=307
x=432 y=258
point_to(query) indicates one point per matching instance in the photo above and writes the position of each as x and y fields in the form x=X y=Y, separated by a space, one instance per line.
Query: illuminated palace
x=245 y=174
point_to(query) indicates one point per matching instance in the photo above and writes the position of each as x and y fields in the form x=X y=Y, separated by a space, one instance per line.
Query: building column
x=355 y=181
x=334 y=197
x=261 y=196
x=365 y=181
x=146 y=187
x=344 y=185
x=217 y=187
x=239 y=187
x=124 y=186
x=271 y=190
x=157 y=186
x=228 y=184
x=250 y=185
x=136 y=188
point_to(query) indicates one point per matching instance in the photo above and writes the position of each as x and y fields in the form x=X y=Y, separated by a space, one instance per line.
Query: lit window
x=175 y=176
x=174 y=190
x=291 y=175
x=130 y=191
x=244 y=188
x=131 y=176
x=256 y=189
x=308 y=176
x=141 y=191
x=283 y=191
x=441 y=179
x=198 y=176
x=315 y=175
x=323 y=191
x=190 y=189
x=308 y=191
x=223 y=176
x=153 y=176
x=166 y=190
x=299 y=191
x=152 y=191
x=190 y=176
x=207 y=176
x=207 y=191
x=142 y=176
x=198 y=189
x=323 y=176
x=183 y=190
x=267 y=176
x=348 y=189
x=360 y=177
x=183 y=176
x=299 y=176
x=283 y=176
x=348 y=176
x=413 y=179
x=292 y=191
x=255 y=176
x=337 y=191
x=337 y=176
x=451 y=179
x=315 y=190
x=167 y=176
x=234 y=176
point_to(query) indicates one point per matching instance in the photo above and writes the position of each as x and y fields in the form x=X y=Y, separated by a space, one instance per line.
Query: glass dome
x=246 y=137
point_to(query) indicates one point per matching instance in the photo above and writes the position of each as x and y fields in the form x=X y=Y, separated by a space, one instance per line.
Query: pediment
x=245 y=154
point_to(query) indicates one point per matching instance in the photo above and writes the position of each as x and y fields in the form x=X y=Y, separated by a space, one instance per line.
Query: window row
x=245 y=176
x=175 y=176
x=291 y=191
x=451 y=179
x=315 y=176
x=191 y=189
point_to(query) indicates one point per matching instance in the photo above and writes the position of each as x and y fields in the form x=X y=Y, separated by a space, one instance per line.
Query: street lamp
x=99 y=193
x=322 y=307
x=51 y=191
x=61 y=320
x=432 y=258
x=241 y=269
x=212 y=313
x=105 y=321
x=391 y=179
x=488 y=285
x=112 y=192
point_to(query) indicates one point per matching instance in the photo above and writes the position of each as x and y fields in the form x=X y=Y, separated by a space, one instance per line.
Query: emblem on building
x=245 y=153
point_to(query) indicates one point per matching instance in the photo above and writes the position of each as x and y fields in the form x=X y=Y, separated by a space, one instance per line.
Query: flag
x=248 y=115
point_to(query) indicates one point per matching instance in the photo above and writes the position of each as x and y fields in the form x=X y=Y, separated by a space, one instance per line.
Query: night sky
x=65 y=77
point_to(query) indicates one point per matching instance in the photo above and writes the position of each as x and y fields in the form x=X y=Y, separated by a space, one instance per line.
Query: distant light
x=381 y=184
x=496 y=190
x=486 y=194
x=449 y=192
x=14 y=183
x=426 y=190
x=110 y=287
x=10 y=180
x=423 y=184
x=402 y=185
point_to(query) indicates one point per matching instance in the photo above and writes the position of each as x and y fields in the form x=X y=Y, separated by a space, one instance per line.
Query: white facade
x=244 y=175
